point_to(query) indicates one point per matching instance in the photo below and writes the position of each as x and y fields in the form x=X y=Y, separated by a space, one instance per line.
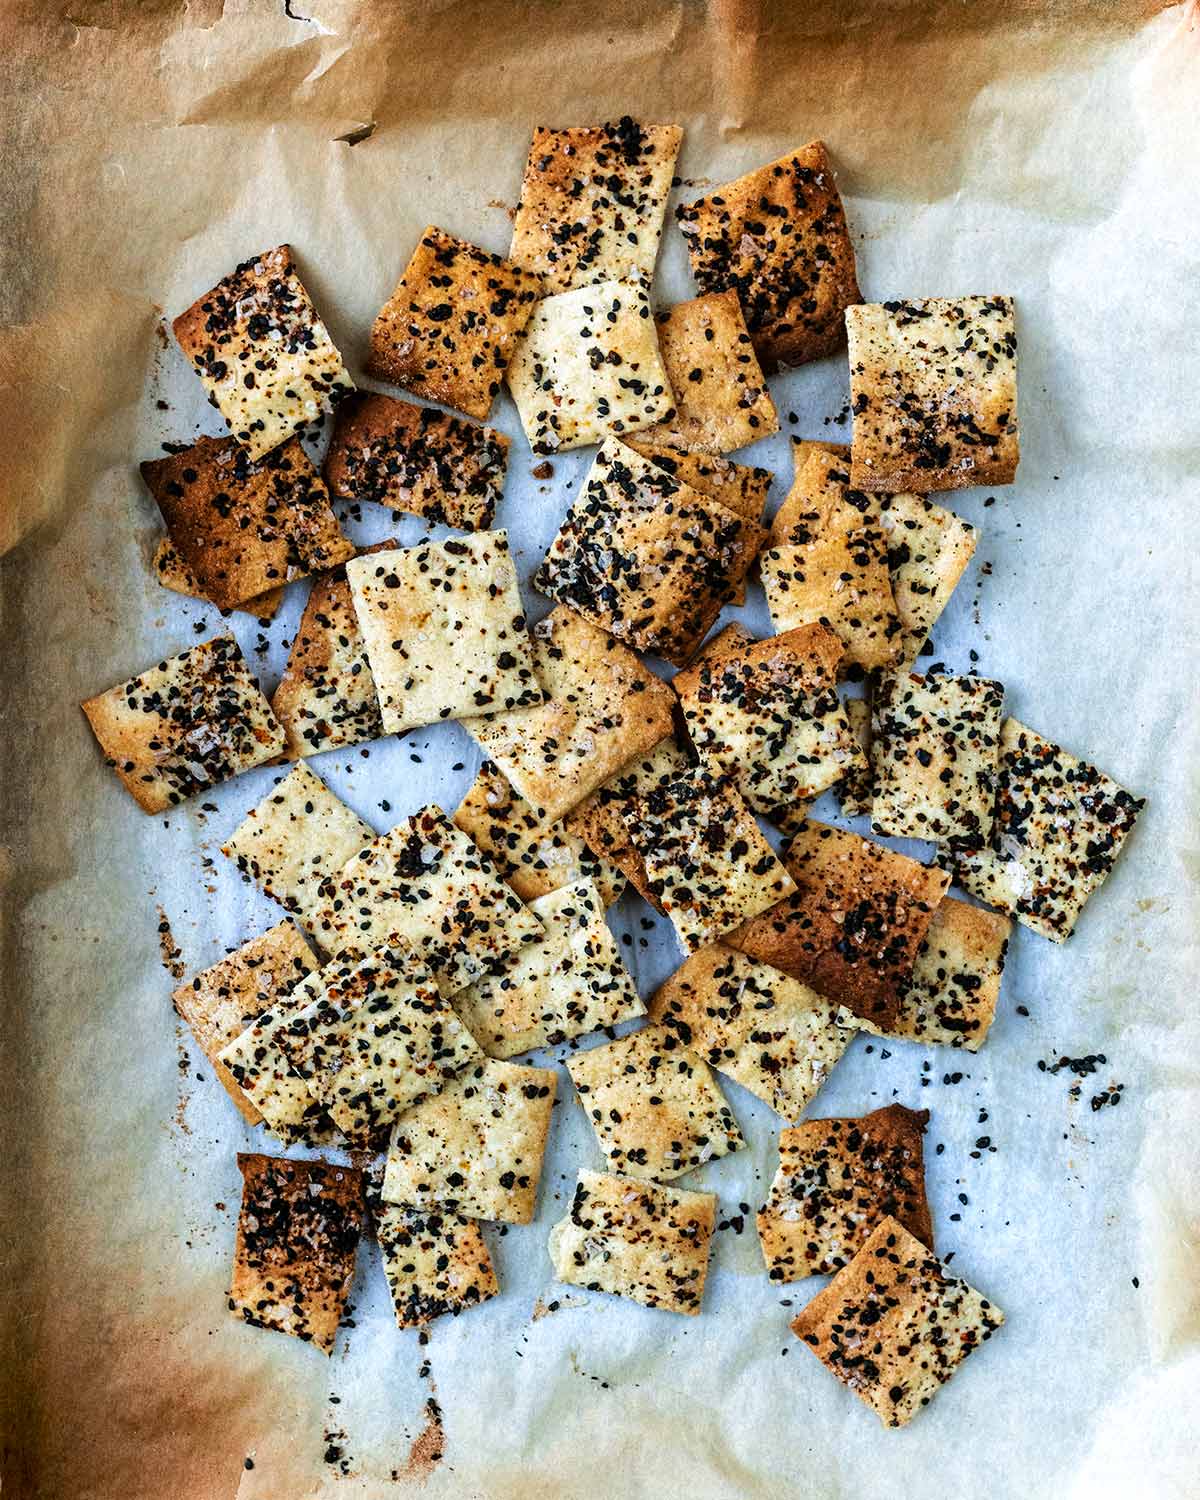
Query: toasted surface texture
x=636 y=1239
x=856 y=790
x=592 y=202
x=435 y=1262
x=185 y=725
x=1060 y=824
x=264 y=355
x=836 y=1180
x=741 y=488
x=174 y=574
x=778 y=238
x=893 y=1326
x=589 y=366
x=928 y=548
x=933 y=389
x=297 y=1236
x=477 y=1147
x=444 y=630
x=450 y=328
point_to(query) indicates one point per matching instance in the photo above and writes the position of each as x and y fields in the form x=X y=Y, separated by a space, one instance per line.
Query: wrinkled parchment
x=1050 y=151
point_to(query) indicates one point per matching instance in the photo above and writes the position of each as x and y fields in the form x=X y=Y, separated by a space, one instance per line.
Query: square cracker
x=836 y=1180
x=928 y=549
x=451 y=326
x=636 y=1239
x=647 y=558
x=297 y=836
x=185 y=725
x=592 y=202
x=778 y=237
x=893 y=1326
x=856 y=790
x=244 y=527
x=935 y=750
x=854 y=927
x=654 y=1104
x=174 y=574
x=265 y=357
x=221 y=1001
x=707 y=862
x=297 y=1237
x=435 y=1262
x=444 y=629
x=589 y=366
x=1060 y=824
x=570 y=983
x=721 y=396
x=417 y=459
x=933 y=389
x=602 y=708
x=770 y=1033
x=476 y=1147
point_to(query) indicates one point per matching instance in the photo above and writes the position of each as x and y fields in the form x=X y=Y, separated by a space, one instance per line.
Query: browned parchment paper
x=1047 y=150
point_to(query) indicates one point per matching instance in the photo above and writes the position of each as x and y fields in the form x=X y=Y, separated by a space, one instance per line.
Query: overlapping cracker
x=174 y=574
x=435 y=1262
x=856 y=790
x=741 y=488
x=929 y=547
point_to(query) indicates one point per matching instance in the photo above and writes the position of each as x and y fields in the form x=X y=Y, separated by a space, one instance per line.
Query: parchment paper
x=1048 y=151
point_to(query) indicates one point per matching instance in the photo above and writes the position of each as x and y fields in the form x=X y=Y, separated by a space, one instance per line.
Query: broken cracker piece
x=435 y=1262
x=928 y=549
x=741 y=488
x=856 y=790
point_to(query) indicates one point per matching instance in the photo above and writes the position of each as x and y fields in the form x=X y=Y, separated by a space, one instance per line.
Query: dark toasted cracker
x=174 y=574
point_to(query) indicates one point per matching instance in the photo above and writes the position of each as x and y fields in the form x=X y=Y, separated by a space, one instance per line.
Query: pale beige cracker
x=435 y=1262
x=929 y=548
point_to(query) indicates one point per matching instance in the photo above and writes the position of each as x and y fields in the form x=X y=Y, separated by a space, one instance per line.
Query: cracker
x=435 y=1263
x=592 y=202
x=721 y=396
x=174 y=574
x=778 y=237
x=602 y=708
x=297 y=836
x=706 y=860
x=589 y=366
x=933 y=389
x=221 y=1001
x=928 y=549
x=836 y=1180
x=856 y=790
x=655 y=1107
x=449 y=329
x=854 y=927
x=265 y=357
x=1060 y=824
x=893 y=1326
x=645 y=557
x=570 y=983
x=297 y=1236
x=476 y=1147
x=185 y=725
x=741 y=488
x=444 y=630
x=770 y=1033
x=636 y=1239
x=935 y=749
x=417 y=459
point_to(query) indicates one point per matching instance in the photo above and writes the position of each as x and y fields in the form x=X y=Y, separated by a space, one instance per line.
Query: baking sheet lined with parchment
x=1045 y=152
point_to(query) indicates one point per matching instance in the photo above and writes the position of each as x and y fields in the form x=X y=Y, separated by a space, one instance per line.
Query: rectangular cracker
x=856 y=790
x=933 y=389
x=588 y=367
x=476 y=1147
x=444 y=629
x=836 y=1180
x=592 y=202
x=636 y=1239
x=451 y=326
x=602 y=708
x=1060 y=825
x=265 y=357
x=894 y=1326
x=645 y=557
x=435 y=1262
x=185 y=725
x=417 y=459
x=741 y=488
x=778 y=237
x=174 y=574
x=929 y=548
x=770 y=1033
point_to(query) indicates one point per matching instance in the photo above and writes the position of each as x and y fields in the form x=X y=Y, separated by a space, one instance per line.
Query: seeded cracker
x=933 y=388
x=636 y=1239
x=856 y=790
x=296 y=1240
x=476 y=1147
x=836 y=1180
x=435 y=1262
x=894 y=1326
x=444 y=630
x=262 y=352
x=778 y=237
x=589 y=366
x=929 y=548
x=741 y=488
x=186 y=725
x=174 y=574
x=450 y=328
